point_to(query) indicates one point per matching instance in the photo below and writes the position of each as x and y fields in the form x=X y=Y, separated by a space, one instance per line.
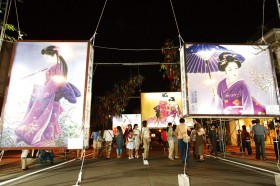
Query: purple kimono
x=236 y=100
x=40 y=125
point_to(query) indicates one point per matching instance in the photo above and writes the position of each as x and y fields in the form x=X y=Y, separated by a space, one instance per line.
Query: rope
x=19 y=34
x=179 y=35
x=93 y=36
x=6 y=15
x=127 y=49
x=263 y=22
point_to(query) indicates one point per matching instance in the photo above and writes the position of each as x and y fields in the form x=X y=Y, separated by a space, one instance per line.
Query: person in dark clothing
x=213 y=139
x=259 y=133
x=245 y=139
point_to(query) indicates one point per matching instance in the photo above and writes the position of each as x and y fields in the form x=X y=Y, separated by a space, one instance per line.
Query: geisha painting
x=231 y=80
x=44 y=104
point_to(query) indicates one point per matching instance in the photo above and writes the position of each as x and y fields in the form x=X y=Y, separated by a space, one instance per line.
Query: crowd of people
x=130 y=140
x=176 y=140
x=171 y=138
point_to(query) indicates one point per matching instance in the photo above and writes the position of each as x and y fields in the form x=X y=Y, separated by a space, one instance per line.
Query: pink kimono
x=40 y=125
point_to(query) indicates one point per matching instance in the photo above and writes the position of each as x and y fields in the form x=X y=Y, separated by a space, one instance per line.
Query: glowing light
x=58 y=79
x=210 y=81
x=205 y=55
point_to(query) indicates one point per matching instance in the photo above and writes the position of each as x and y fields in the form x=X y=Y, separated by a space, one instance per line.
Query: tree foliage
x=115 y=101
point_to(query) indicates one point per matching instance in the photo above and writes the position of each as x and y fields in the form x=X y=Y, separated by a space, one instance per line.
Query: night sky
x=140 y=24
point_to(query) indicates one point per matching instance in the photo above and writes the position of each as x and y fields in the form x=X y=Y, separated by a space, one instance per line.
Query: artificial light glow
x=205 y=55
x=58 y=79
x=210 y=81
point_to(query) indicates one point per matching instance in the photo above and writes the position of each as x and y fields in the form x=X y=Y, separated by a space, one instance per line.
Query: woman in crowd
x=126 y=132
x=136 y=133
x=108 y=136
x=119 y=141
x=130 y=144
x=199 y=142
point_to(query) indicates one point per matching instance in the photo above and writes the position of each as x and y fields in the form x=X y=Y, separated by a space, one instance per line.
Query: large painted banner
x=126 y=119
x=230 y=80
x=160 y=108
x=47 y=103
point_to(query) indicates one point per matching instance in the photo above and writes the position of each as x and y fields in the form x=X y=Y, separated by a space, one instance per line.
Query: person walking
x=146 y=139
x=199 y=142
x=171 y=139
x=108 y=136
x=184 y=147
x=95 y=144
x=213 y=140
x=259 y=133
x=119 y=141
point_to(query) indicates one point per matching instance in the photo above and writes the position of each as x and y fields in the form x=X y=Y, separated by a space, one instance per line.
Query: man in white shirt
x=146 y=139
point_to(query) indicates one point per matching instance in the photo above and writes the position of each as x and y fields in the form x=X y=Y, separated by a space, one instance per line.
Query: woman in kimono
x=40 y=126
x=233 y=95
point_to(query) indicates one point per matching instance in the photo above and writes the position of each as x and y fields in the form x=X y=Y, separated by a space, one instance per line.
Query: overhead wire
x=134 y=49
x=6 y=15
x=262 y=27
x=19 y=33
x=179 y=35
x=95 y=32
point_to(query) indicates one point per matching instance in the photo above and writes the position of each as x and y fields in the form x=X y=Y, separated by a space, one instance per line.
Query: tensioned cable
x=179 y=35
x=6 y=15
x=146 y=49
x=19 y=34
x=263 y=22
x=95 y=32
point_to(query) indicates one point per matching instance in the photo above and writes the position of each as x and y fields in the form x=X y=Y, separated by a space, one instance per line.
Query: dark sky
x=140 y=24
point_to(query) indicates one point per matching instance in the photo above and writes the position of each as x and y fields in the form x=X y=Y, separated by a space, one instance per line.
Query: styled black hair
x=53 y=50
x=257 y=120
x=119 y=128
x=135 y=125
x=226 y=58
x=182 y=120
x=144 y=123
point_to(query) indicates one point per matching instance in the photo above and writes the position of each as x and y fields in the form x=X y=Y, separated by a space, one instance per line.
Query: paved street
x=233 y=169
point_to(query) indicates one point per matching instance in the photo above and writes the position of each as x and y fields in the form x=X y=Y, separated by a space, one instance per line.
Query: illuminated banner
x=160 y=108
x=48 y=98
x=183 y=82
x=230 y=80
x=126 y=119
